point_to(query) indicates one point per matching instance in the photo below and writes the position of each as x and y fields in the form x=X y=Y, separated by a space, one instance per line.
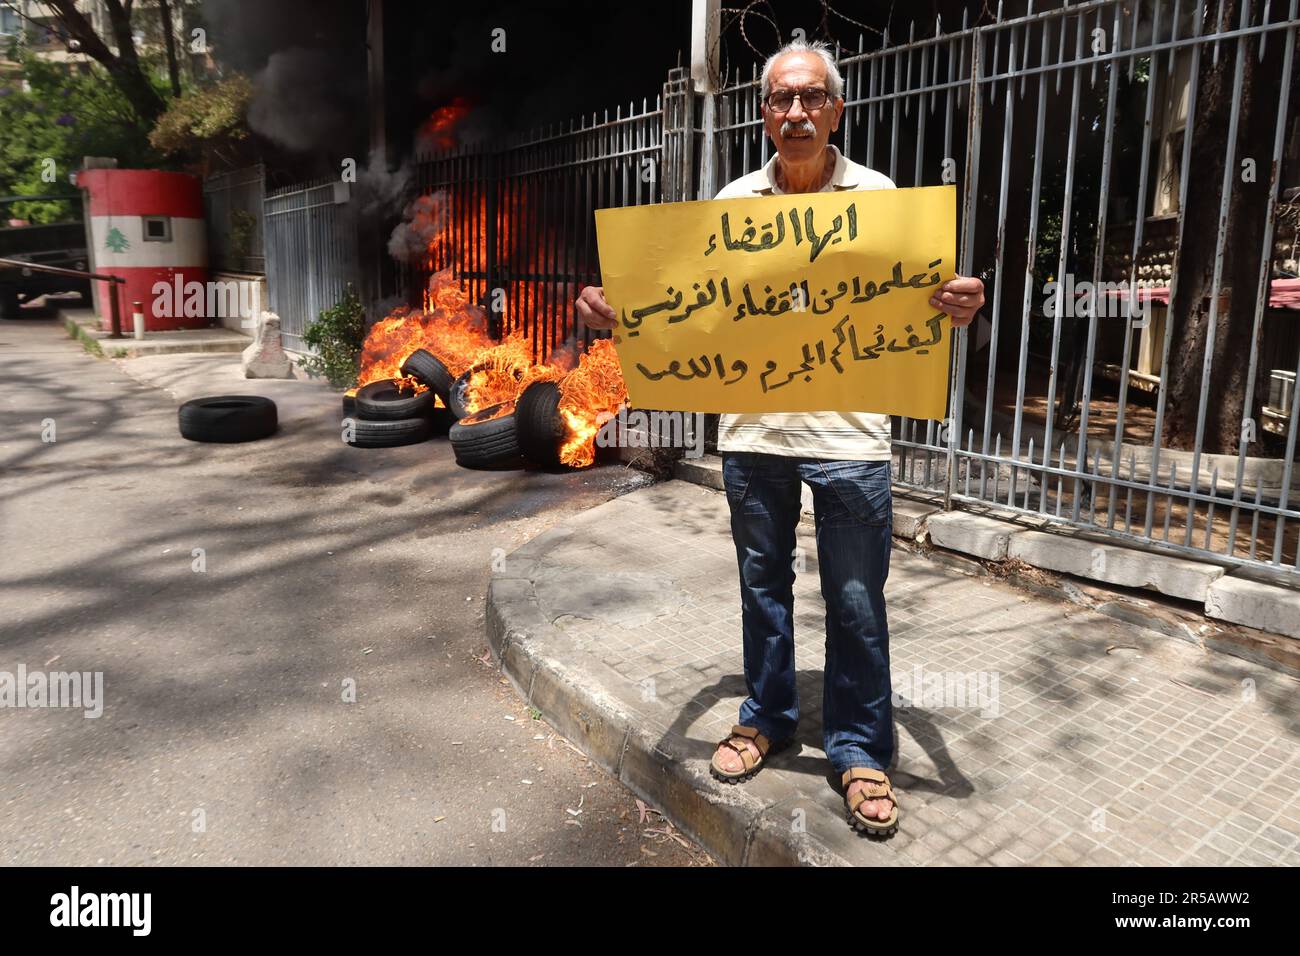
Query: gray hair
x=820 y=48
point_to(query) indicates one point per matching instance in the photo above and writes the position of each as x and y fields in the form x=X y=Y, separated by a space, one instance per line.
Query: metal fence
x=232 y=207
x=311 y=252
x=1072 y=135
x=521 y=219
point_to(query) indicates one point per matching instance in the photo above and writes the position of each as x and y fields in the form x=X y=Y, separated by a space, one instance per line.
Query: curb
x=83 y=330
x=733 y=825
x=78 y=332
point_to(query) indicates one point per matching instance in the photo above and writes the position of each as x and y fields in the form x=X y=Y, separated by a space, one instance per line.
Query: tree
x=124 y=67
x=1228 y=404
x=169 y=44
x=50 y=126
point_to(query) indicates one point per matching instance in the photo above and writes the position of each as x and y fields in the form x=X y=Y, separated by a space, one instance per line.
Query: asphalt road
x=231 y=595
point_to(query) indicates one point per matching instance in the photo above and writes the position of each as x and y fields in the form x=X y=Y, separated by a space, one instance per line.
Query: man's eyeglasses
x=780 y=101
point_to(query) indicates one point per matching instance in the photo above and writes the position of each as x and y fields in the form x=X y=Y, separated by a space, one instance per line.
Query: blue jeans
x=854 y=519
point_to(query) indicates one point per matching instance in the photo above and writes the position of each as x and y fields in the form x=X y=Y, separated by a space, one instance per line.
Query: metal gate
x=233 y=207
x=311 y=252
x=520 y=219
x=1070 y=134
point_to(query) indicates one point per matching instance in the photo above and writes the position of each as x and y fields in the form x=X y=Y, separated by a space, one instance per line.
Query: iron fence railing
x=1073 y=133
x=520 y=219
x=311 y=252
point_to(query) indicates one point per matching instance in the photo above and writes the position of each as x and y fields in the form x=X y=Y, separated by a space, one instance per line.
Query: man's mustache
x=803 y=126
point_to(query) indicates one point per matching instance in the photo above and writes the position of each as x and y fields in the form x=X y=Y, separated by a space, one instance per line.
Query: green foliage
x=336 y=339
x=205 y=118
x=62 y=116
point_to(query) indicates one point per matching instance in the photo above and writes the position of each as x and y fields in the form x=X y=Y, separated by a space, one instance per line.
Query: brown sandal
x=877 y=787
x=752 y=766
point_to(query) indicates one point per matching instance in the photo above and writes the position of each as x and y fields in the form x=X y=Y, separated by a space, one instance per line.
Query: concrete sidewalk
x=1082 y=741
x=85 y=325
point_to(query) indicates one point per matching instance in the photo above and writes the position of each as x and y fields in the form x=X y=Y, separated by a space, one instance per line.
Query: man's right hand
x=593 y=310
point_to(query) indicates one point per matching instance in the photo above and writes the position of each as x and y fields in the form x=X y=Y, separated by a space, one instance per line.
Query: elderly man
x=845 y=459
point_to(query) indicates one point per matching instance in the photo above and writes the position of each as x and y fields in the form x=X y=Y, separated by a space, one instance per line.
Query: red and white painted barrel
x=147 y=227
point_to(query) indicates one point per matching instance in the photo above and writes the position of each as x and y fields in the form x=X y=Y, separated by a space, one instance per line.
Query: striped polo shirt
x=857 y=436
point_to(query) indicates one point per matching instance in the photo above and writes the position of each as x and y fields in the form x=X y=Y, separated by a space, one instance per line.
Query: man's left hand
x=961 y=298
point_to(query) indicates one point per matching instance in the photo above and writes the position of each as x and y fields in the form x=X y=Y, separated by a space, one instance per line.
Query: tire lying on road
x=539 y=424
x=487 y=438
x=389 y=433
x=382 y=402
x=227 y=418
x=430 y=370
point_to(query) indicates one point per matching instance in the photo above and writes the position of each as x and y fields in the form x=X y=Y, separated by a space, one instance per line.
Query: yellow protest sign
x=793 y=303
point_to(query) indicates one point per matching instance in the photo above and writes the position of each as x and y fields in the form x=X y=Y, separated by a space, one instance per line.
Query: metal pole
x=114 y=310
x=971 y=187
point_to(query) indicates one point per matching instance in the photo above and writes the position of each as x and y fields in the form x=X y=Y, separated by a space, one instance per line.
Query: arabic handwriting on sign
x=867 y=292
x=773 y=235
x=702 y=298
x=914 y=343
x=673 y=301
x=702 y=367
x=805 y=368
x=871 y=351
x=811 y=362
x=796 y=297
x=746 y=242
x=769 y=235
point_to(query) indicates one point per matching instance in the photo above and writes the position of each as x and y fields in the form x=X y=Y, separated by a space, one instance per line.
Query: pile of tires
x=383 y=415
x=506 y=435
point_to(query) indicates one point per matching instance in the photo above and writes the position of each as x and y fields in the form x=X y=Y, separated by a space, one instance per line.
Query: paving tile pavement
x=1030 y=731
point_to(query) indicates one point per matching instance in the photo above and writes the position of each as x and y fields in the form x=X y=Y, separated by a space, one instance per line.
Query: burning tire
x=227 y=418
x=349 y=406
x=389 y=433
x=487 y=438
x=539 y=424
x=383 y=402
x=430 y=370
x=458 y=397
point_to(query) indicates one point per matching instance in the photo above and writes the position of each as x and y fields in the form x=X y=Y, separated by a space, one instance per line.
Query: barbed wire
x=745 y=11
x=828 y=10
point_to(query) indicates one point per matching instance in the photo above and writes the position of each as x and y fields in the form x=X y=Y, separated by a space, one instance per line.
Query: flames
x=502 y=372
x=438 y=132
x=452 y=329
x=455 y=330
x=589 y=394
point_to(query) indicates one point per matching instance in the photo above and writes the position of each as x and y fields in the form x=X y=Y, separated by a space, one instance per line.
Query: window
x=157 y=228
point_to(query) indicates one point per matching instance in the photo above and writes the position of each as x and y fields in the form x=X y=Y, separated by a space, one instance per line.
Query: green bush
x=336 y=339
x=207 y=121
